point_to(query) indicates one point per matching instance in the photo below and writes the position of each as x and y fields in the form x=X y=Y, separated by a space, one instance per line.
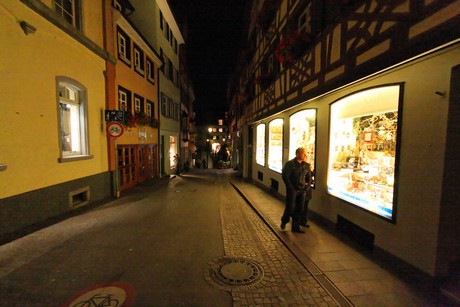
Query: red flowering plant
x=292 y=46
x=129 y=120
x=138 y=119
x=142 y=119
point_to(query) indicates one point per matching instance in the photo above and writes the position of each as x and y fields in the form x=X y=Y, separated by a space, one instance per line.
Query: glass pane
x=70 y=127
x=275 y=145
x=260 y=150
x=362 y=149
x=302 y=133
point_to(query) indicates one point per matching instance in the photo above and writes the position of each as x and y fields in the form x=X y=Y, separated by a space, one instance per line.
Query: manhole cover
x=230 y=271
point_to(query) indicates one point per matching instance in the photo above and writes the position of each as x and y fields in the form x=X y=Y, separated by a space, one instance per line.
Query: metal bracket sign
x=114 y=115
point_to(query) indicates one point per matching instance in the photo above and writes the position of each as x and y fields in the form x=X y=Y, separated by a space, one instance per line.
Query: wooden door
x=127 y=167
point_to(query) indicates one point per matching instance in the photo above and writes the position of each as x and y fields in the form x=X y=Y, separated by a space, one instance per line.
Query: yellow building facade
x=132 y=86
x=53 y=147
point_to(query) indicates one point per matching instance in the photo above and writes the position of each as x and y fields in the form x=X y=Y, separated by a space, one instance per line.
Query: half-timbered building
x=370 y=89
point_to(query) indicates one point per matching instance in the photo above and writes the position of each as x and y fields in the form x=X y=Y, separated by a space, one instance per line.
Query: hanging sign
x=114 y=129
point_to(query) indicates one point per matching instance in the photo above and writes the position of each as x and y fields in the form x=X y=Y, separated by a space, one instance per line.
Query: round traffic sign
x=114 y=129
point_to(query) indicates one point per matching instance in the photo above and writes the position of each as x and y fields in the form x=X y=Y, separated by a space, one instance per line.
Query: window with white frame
x=70 y=11
x=138 y=104
x=124 y=47
x=124 y=99
x=150 y=70
x=149 y=109
x=72 y=117
x=138 y=60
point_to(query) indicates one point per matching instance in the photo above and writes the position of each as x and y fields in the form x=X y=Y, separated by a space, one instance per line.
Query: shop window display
x=362 y=149
x=260 y=145
x=275 y=145
x=302 y=133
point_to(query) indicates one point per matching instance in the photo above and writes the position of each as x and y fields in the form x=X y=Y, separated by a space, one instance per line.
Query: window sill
x=74 y=158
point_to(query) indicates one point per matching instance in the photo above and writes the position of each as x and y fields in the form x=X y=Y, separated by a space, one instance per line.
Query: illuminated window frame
x=299 y=130
x=73 y=120
x=275 y=145
x=364 y=141
x=260 y=144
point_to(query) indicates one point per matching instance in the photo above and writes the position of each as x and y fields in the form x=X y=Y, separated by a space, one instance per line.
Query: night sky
x=213 y=43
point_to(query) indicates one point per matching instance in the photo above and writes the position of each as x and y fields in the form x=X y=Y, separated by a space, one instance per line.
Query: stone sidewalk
x=351 y=274
x=285 y=282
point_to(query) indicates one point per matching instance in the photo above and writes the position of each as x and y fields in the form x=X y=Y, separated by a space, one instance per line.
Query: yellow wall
x=29 y=118
x=128 y=78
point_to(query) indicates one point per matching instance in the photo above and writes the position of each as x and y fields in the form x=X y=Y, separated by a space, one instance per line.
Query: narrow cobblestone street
x=204 y=238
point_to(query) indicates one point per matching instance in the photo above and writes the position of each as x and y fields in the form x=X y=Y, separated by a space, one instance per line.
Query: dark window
x=150 y=109
x=70 y=11
x=138 y=60
x=138 y=104
x=124 y=47
x=150 y=70
x=124 y=99
x=163 y=104
x=170 y=70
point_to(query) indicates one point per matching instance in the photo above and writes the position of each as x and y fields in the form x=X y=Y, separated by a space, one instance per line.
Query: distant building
x=158 y=25
x=217 y=135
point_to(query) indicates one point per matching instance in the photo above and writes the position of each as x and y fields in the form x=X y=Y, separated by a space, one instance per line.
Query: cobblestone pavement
x=286 y=282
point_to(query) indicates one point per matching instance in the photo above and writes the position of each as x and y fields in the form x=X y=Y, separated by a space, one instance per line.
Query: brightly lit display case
x=363 y=148
x=302 y=133
x=260 y=144
x=275 y=145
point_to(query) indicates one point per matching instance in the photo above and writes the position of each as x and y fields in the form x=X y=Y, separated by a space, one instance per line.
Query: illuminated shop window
x=362 y=149
x=172 y=151
x=260 y=145
x=302 y=133
x=275 y=145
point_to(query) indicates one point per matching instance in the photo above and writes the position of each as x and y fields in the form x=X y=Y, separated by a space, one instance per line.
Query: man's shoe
x=305 y=225
x=298 y=230
x=283 y=225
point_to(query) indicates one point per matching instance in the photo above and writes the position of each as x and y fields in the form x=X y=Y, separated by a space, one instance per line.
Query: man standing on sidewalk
x=295 y=174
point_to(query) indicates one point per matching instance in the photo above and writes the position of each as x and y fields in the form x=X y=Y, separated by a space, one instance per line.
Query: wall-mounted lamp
x=442 y=94
x=27 y=27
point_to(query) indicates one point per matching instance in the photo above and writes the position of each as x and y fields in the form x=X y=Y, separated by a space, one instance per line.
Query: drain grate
x=235 y=272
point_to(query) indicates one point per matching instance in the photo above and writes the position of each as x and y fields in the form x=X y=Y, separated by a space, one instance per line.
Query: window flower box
x=292 y=47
